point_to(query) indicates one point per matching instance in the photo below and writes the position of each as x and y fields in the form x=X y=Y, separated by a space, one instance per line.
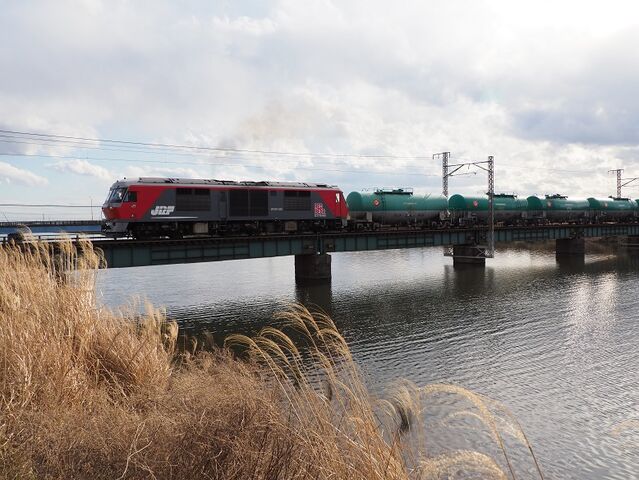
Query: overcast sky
x=549 y=89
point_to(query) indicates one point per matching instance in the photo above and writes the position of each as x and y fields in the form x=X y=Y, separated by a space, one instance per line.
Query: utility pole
x=491 y=205
x=444 y=156
x=489 y=167
x=622 y=182
x=618 y=172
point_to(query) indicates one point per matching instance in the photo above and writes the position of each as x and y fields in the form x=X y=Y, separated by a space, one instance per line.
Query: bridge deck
x=130 y=253
x=53 y=226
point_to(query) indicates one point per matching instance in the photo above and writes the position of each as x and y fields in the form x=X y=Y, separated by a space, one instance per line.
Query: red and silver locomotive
x=173 y=207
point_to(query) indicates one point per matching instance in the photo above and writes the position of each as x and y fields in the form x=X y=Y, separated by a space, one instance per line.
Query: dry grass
x=89 y=393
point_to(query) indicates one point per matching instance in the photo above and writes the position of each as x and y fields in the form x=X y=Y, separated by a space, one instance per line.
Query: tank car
x=465 y=210
x=172 y=207
x=396 y=207
x=558 y=208
x=613 y=208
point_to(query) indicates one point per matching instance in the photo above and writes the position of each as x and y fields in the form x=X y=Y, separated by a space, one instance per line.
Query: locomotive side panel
x=175 y=210
x=196 y=204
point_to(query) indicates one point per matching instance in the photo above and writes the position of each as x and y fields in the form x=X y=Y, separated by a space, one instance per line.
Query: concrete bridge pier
x=469 y=255
x=570 y=247
x=312 y=268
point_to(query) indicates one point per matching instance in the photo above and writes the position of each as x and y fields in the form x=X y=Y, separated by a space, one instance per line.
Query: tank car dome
x=535 y=203
x=354 y=201
x=457 y=202
x=460 y=202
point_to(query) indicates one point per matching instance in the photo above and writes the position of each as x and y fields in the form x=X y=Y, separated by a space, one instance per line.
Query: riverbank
x=92 y=393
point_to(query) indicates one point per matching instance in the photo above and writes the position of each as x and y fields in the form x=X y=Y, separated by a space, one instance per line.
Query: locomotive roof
x=206 y=181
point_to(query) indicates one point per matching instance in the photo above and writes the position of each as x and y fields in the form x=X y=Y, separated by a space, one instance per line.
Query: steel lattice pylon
x=622 y=182
x=489 y=167
x=444 y=156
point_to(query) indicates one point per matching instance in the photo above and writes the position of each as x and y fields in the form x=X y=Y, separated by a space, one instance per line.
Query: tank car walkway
x=311 y=250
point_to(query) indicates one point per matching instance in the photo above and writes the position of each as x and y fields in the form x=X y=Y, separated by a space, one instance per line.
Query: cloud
x=82 y=167
x=170 y=172
x=542 y=88
x=10 y=174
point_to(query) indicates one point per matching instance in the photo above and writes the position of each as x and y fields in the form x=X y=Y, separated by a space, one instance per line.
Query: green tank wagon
x=466 y=209
x=397 y=206
x=613 y=208
x=558 y=208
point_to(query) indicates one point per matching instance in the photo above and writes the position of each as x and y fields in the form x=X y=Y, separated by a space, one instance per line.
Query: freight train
x=169 y=207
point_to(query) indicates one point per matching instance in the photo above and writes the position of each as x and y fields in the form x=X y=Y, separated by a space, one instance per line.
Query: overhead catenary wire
x=214 y=149
x=237 y=156
x=298 y=167
x=47 y=205
x=205 y=164
x=37 y=139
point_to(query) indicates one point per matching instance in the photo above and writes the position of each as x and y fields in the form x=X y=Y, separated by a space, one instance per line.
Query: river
x=557 y=343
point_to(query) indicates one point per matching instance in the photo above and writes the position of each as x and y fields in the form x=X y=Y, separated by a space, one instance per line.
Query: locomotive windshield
x=116 y=195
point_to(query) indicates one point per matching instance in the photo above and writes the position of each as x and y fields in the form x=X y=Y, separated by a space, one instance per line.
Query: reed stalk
x=88 y=392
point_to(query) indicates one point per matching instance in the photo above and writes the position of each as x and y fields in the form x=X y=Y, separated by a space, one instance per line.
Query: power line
x=158 y=152
x=504 y=167
x=13 y=136
x=214 y=149
x=204 y=164
x=47 y=205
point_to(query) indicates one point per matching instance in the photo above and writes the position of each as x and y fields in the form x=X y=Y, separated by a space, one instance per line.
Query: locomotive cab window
x=192 y=199
x=131 y=197
x=116 y=196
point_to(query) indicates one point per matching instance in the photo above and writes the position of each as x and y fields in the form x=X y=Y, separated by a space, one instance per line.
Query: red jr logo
x=319 y=210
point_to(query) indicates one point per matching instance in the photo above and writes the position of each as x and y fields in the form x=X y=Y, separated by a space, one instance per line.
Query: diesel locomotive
x=172 y=207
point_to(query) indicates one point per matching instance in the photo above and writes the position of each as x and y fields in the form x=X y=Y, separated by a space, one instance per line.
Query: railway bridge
x=312 y=251
x=45 y=227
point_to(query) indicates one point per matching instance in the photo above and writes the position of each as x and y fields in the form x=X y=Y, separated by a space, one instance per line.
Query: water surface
x=557 y=343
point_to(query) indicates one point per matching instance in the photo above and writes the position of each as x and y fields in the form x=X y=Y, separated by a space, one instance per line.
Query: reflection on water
x=556 y=341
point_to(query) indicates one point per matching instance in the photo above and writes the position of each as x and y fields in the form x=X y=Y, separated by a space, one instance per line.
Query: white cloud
x=170 y=172
x=82 y=167
x=539 y=87
x=10 y=174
